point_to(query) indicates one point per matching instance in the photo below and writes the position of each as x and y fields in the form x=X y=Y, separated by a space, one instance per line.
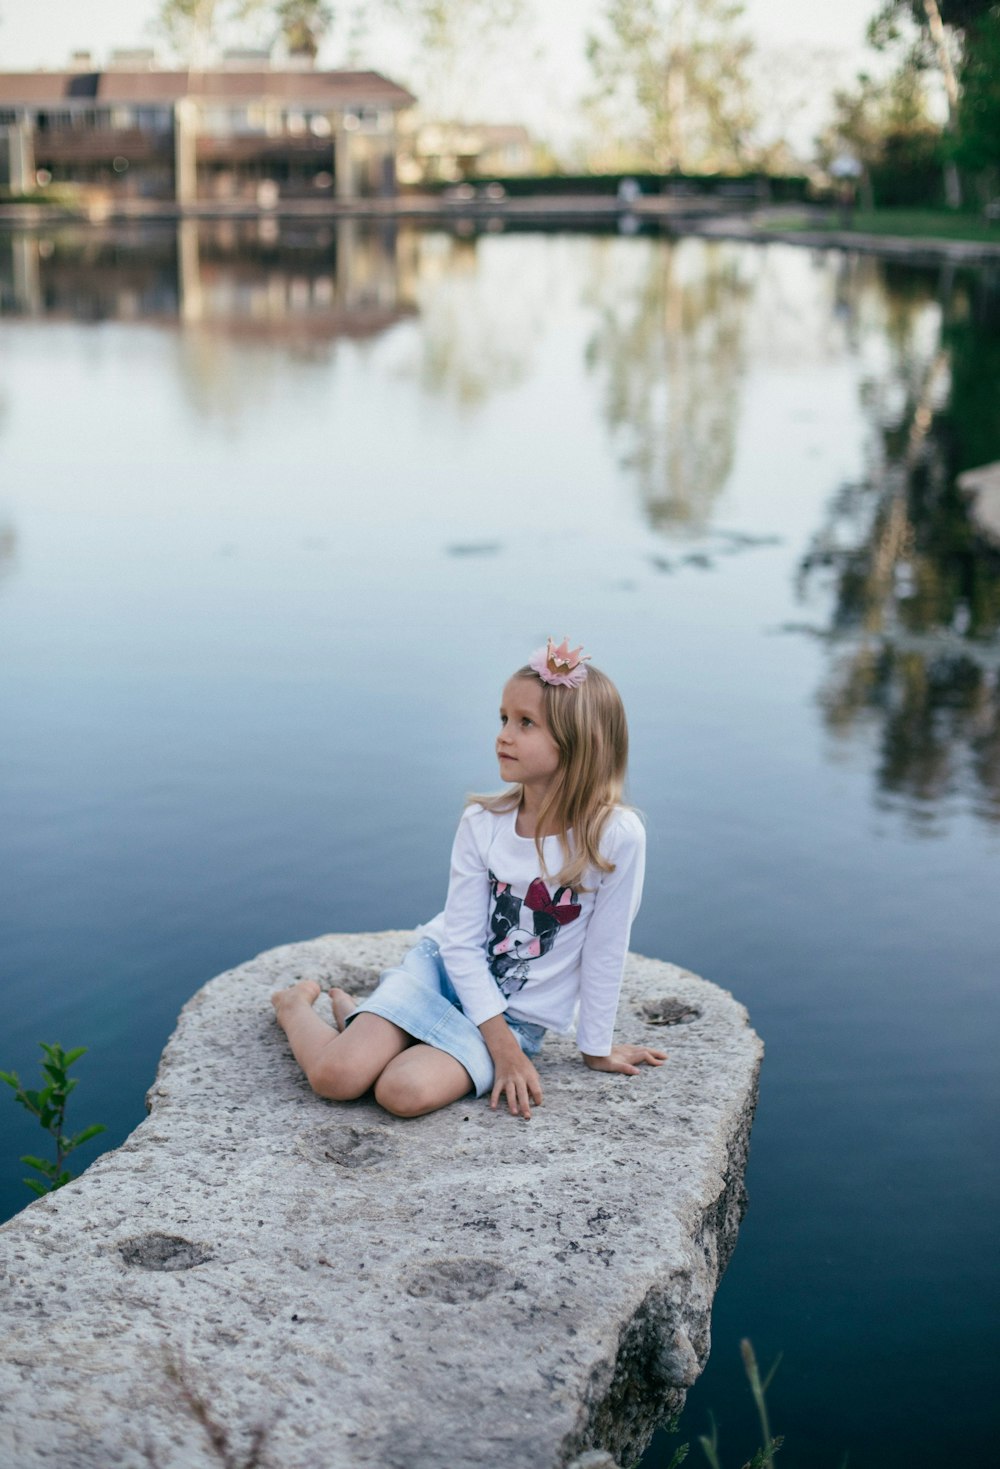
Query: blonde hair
x=589 y=727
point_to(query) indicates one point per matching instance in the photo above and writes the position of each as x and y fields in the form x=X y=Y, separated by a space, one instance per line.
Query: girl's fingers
x=520 y=1093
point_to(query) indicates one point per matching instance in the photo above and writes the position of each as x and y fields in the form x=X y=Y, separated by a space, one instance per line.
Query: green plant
x=764 y=1457
x=49 y=1106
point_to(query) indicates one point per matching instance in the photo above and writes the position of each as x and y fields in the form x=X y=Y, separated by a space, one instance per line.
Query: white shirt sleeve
x=466 y=913
x=606 y=943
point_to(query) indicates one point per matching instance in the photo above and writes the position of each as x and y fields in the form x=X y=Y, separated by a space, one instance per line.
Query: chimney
x=132 y=58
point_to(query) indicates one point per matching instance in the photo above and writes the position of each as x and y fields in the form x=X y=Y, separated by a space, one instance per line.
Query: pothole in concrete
x=458 y=1280
x=668 y=1012
x=349 y=1147
x=162 y=1252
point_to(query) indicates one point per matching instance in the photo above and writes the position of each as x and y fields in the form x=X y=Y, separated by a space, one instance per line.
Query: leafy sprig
x=48 y=1104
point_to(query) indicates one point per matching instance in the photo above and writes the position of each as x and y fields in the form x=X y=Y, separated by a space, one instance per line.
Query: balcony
x=63 y=146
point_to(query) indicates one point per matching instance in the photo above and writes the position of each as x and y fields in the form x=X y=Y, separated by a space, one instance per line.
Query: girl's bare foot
x=342 y=1004
x=306 y=992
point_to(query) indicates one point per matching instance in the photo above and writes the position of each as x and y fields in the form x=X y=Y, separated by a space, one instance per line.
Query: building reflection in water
x=915 y=625
x=670 y=347
x=252 y=277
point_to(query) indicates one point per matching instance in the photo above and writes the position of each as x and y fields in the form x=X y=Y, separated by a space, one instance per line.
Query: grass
x=942 y=224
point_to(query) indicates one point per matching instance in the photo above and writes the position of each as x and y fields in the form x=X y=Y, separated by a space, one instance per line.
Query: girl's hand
x=627 y=1059
x=515 y=1074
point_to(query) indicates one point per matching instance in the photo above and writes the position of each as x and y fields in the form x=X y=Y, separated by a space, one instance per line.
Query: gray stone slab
x=982 y=486
x=335 y=1288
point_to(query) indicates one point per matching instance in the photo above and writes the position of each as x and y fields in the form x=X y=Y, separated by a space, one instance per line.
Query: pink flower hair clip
x=559 y=665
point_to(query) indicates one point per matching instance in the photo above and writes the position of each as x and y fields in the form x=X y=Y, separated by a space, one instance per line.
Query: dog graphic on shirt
x=512 y=945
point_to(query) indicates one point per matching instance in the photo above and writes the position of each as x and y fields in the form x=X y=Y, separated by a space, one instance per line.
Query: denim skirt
x=418 y=996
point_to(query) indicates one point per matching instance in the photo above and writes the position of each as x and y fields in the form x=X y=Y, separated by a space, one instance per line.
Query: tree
x=453 y=43
x=932 y=31
x=191 y=27
x=194 y=29
x=672 y=83
x=886 y=125
x=301 y=24
x=977 y=144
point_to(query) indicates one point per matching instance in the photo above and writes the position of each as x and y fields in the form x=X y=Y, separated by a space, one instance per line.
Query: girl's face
x=525 y=748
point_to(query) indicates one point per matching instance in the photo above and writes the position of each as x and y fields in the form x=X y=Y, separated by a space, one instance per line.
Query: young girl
x=545 y=881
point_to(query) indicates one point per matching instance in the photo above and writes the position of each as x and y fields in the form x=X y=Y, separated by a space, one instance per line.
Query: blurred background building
x=246 y=130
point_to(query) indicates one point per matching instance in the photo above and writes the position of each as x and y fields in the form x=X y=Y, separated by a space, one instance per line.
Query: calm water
x=278 y=513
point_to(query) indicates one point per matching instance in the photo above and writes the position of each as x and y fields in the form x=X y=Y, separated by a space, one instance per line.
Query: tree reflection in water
x=480 y=330
x=8 y=549
x=670 y=343
x=915 y=624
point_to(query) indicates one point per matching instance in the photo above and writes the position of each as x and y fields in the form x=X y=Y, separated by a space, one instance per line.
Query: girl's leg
x=421 y=1079
x=337 y=1065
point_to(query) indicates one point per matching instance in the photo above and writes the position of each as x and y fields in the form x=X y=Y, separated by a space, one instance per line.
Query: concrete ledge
x=344 y=1289
x=982 y=488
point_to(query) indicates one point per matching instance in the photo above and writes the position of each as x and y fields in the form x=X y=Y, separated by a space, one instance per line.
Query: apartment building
x=247 y=131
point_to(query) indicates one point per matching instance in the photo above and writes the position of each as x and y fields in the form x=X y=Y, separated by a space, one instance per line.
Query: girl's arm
x=606 y=946
x=466 y=915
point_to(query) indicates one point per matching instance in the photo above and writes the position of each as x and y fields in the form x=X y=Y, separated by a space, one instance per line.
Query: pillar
x=343 y=163
x=18 y=143
x=185 y=154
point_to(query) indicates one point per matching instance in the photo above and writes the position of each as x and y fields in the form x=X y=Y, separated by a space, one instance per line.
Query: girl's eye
x=527 y=721
x=503 y=719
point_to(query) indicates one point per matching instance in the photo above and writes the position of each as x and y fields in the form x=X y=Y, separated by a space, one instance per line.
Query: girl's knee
x=337 y=1082
x=403 y=1095
x=417 y=1083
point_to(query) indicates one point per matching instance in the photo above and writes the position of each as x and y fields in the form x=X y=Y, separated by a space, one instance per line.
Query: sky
x=812 y=46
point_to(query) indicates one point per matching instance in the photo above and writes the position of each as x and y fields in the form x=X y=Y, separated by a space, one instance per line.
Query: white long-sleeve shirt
x=513 y=941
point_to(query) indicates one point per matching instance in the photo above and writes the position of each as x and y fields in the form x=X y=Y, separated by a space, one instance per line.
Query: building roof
x=305 y=87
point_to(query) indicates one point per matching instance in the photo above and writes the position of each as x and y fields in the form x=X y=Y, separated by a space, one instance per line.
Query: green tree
x=977 y=145
x=886 y=125
x=933 y=34
x=672 y=83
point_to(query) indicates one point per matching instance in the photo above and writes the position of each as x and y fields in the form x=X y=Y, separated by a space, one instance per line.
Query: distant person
x=546 y=878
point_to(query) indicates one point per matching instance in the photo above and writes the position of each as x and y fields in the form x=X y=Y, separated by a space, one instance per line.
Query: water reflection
x=479 y=332
x=8 y=549
x=251 y=277
x=668 y=334
x=915 y=620
x=670 y=349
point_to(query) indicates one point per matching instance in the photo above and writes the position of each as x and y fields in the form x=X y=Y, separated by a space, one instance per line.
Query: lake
x=280 y=509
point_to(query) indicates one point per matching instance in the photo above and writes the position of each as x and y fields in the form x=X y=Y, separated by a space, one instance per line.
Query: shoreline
x=705 y=218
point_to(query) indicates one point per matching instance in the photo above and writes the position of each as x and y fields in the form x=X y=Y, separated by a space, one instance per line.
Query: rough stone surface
x=332 y=1286
x=983 y=488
